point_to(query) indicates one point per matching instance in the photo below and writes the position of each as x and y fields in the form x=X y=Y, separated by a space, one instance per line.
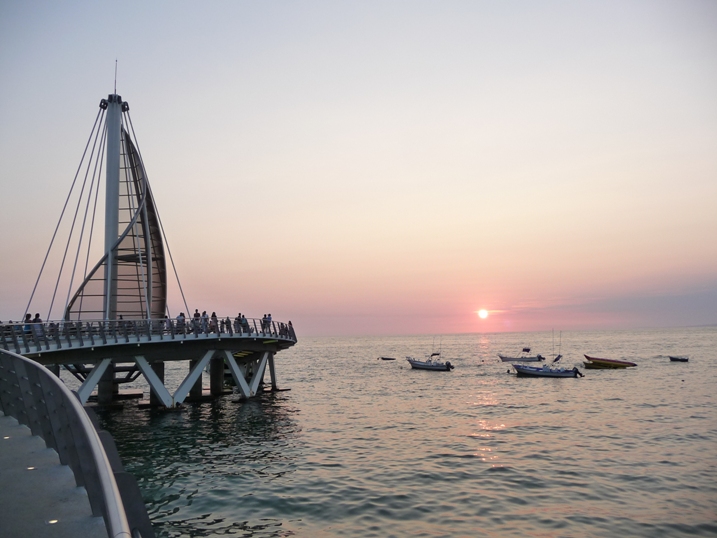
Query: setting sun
x=482 y=314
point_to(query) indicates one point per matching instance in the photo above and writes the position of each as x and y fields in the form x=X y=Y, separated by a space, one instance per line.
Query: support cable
x=141 y=206
x=72 y=229
x=94 y=211
x=42 y=268
x=161 y=226
x=84 y=219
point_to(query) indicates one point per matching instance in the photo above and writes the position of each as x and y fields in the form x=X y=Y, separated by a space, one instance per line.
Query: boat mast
x=114 y=120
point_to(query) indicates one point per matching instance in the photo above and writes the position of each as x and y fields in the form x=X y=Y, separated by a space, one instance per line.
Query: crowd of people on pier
x=198 y=323
x=206 y=323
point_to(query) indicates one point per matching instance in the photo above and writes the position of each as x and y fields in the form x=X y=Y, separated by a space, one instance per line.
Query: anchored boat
x=594 y=363
x=678 y=359
x=545 y=371
x=431 y=363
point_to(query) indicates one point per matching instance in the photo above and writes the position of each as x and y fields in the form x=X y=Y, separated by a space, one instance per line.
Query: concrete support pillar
x=216 y=376
x=158 y=368
x=272 y=372
x=106 y=388
x=196 y=390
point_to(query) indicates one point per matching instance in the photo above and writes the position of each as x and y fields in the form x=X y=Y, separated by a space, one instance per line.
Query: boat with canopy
x=433 y=362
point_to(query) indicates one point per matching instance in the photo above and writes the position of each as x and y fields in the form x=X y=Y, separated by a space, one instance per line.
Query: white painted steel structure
x=112 y=197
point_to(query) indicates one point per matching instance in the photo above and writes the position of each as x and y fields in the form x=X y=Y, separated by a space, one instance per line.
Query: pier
x=116 y=324
x=127 y=349
x=115 y=327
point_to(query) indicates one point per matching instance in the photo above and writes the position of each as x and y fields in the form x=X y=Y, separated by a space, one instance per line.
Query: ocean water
x=366 y=448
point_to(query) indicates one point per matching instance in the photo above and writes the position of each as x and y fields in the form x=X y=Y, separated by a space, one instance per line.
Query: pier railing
x=31 y=394
x=55 y=335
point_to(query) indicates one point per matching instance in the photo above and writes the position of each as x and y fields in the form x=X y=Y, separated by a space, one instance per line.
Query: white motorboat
x=546 y=371
x=431 y=363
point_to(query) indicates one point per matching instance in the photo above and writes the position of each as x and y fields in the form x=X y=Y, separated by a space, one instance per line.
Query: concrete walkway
x=38 y=495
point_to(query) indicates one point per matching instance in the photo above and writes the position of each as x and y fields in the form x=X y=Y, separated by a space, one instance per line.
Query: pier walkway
x=68 y=342
x=93 y=349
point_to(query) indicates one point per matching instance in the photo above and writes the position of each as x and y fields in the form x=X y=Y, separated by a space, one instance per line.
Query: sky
x=385 y=167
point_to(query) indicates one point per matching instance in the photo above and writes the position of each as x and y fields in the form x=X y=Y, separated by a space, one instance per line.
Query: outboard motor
x=449 y=366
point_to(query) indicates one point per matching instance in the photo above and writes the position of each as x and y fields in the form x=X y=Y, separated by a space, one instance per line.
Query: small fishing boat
x=430 y=363
x=594 y=363
x=387 y=358
x=545 y=371
x=678 y=359
x=523 y=357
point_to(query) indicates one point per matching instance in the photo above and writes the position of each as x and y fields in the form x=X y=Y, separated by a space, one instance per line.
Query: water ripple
x=363 y=448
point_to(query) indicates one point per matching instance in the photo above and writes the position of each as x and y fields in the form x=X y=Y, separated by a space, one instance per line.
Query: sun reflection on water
x=485 y=454
x=485 y=425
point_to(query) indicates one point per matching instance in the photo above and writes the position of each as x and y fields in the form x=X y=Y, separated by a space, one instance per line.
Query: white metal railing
x=30 y=393
x=29 y=337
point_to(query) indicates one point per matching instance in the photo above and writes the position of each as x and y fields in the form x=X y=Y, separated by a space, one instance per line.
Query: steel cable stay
x=141 y=276
x=95 y=176
x=138 y=219
x=100 y=162
x=161 y=226
x=148 y=192
x=100 y=263
x=72 y=227
x=100 y=115
x=140 y=233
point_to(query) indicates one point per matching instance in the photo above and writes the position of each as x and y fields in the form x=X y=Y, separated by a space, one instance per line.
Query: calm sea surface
x=361 y=447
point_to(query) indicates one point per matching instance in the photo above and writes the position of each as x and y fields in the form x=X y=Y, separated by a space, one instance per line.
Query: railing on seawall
x=35 y=397
x=31 y=337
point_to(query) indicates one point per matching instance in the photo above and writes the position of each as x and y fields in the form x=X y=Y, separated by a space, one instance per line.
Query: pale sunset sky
x=386 y=167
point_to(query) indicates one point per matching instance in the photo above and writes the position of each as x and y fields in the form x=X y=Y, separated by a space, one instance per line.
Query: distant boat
x=522 y=358
x=387 y=358
x=678 y=359
x=545 y=371
x=430 y=363
x=595 y=363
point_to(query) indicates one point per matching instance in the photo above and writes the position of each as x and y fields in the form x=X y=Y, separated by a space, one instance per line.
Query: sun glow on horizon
x=482 y=314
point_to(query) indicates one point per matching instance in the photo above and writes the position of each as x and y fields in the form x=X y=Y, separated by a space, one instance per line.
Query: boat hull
x=595 y=363
x=437 y=367
x=678 y=359
x=534 y=371
x=598 y=366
